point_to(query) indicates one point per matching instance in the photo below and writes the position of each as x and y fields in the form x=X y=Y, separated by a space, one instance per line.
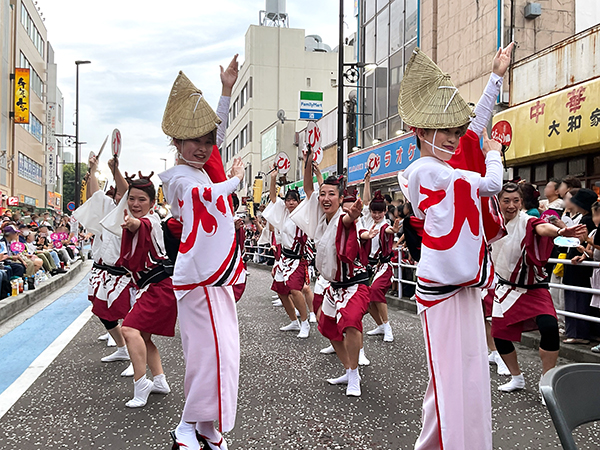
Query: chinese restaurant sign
x=568 y=119
x=384 y=160
x=22 y=96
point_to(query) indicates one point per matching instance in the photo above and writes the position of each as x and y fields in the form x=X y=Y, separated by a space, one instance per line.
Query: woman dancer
x=522 y=300
x=154 y=312
x=346 y=300
x=198 y=191
x=110 y=287
x=290 y=272
x=377 y=239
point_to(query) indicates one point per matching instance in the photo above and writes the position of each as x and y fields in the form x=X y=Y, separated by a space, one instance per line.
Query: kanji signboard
x=21 y=96
x=567 y=119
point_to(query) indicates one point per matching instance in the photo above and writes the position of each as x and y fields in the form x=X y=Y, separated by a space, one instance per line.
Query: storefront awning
x=555 y=125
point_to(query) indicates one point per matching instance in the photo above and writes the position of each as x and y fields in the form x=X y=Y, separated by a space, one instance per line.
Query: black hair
x=292 y=194
x=387 y=198
x=596 y=206
x=509 y=188
x=236 y=201
x=571 y=182
x=377 y=206
x=556 y=182
x=530 y=196
x=338 y=182
x=144 y=184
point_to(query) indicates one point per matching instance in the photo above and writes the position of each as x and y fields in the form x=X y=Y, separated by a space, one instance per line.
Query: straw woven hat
x=428 y=98
x=188 y=115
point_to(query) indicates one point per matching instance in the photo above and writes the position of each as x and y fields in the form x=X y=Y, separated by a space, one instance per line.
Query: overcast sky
x=137 y=48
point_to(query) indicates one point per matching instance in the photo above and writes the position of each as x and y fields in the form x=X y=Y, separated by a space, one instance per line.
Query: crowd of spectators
x=33 y=245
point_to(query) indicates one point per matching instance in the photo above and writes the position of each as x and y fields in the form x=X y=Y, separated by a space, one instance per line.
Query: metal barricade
x=594 y=264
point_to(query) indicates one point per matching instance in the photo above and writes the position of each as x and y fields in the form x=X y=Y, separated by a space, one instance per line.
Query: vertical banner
x=21 y=96
x=51 y=144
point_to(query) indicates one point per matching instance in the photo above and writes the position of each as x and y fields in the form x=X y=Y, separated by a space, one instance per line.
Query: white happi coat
x=454 y=250
x=106 y=248
x=208 y=264
x=208 y=254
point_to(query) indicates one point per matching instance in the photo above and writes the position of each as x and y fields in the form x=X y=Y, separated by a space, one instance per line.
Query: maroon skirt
x=155 y=310
x=521 y=316
x=295 y=282
x=382 y=282
x=349 y=316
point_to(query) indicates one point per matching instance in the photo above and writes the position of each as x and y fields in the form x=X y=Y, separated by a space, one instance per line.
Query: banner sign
x=50 y=144
x=311 y=105
x=567 y=119
x=21 y=96
x=384 y=160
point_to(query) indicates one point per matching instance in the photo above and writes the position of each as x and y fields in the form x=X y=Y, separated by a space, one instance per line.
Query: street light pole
x=340 y=105
x=77 y=171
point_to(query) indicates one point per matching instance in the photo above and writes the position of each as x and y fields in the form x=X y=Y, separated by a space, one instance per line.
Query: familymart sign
x=311 y=105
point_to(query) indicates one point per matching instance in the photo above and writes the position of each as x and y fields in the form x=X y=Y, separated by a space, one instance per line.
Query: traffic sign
x=71 y=206
x=311 y=105
x=116 y=143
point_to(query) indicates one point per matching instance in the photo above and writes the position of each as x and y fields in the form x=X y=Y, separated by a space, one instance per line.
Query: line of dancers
x=150 y=273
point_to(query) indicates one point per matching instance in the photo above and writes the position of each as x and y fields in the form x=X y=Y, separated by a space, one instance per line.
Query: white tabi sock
x=339 y=380
x=353 y=389
x=362 y=359
x=141 y=392
x=186 y=436
x=516 y=382
x=160 y=385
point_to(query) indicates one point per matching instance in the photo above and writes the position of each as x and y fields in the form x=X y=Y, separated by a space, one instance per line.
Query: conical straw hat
x=428 y=98
x=188 y=115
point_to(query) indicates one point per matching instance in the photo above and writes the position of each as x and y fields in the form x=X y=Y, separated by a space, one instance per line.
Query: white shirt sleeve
x=223 y=114
x=307 y=214
x=485 y=106
x=491 y=183
x=275 y=214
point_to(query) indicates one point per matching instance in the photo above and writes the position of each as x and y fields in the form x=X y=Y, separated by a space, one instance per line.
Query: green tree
x=69 y=182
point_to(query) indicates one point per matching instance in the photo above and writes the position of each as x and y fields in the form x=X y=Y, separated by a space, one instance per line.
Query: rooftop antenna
x=274 y=15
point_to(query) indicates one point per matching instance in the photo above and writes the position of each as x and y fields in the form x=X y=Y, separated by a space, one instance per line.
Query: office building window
x=32 y=30
x=29 y=169
x=37 y=85
x=34 y=127
x=390 y=30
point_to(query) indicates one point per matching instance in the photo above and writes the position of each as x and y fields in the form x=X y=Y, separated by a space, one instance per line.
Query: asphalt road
x=284 y=400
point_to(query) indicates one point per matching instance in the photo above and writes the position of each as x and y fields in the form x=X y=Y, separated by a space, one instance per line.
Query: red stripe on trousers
x=212 y=320
x=437 y=408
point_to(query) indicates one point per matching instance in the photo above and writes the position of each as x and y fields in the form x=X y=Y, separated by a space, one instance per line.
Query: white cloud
x=137 y=48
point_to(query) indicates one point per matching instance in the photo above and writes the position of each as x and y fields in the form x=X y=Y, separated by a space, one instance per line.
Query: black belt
x=156 y=275
x=113 y=270
x=290 y=254
x=542 y=285
x=381 y=259
x=361 y=278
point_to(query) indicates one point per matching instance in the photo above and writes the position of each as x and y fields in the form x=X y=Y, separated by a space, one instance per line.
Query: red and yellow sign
x=21 y=96
x=567 y=121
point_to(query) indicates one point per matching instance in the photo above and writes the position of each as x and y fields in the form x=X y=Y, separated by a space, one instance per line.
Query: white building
x=278 y=64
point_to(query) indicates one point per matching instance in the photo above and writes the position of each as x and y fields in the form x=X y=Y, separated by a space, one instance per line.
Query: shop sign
x=384 y=160
x=21 y=96
x=568 y=119
x=12 y=201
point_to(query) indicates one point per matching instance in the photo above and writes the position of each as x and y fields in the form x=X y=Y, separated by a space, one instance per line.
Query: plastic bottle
x=25 y=284
x=21 y=286
x=14 y=284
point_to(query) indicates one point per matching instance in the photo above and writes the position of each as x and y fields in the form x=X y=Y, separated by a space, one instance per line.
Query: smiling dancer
x=346 y=300
x=198 y=190
x=110 y=287
x=290 y=272
x=454 y=263
x=143 y=254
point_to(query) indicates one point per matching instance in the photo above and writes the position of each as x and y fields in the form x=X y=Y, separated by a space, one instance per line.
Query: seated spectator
x=531 y=202
x=552 y=202
x=30 y=266
x=49 y=263
x=569 y=182
x=46 y=220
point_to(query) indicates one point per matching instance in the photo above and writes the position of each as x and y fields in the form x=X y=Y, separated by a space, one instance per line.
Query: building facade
x=461 y=36
x=279 y=63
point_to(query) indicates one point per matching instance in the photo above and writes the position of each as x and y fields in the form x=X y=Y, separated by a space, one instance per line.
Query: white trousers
x=211 y=347
x=457 y=409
